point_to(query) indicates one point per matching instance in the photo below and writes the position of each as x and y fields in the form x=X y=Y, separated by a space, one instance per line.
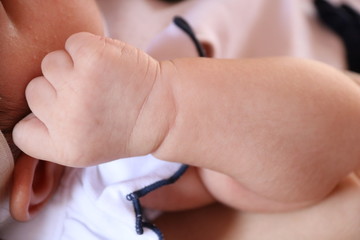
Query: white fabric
x=92 y=204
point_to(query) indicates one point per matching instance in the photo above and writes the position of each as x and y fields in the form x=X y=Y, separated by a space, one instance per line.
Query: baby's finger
x=41 y=96
x=85 y=48
x=56 y=67
x=32 y=137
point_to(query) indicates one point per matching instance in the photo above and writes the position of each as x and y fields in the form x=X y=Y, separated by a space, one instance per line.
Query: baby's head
x=28 y=31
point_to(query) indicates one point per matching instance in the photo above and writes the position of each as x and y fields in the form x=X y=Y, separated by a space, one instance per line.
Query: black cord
x=183 y=25
x=345 y=22
x=134 y=197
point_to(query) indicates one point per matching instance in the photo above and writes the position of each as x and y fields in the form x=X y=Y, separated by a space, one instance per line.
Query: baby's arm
x=224 y=188
x=283 y=130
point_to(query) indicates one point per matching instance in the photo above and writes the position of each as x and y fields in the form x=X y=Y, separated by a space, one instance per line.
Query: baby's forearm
x=285 y=129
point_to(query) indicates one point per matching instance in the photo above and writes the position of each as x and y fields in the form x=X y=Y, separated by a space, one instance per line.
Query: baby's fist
x=98 y=100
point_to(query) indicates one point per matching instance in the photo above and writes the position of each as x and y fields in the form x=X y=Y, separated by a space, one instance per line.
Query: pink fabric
x=233 y=28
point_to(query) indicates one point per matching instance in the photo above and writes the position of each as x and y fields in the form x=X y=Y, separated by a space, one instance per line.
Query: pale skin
x=272 y=142
x=319 y=222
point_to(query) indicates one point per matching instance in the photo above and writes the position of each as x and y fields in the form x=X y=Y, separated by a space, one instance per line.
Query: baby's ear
x=34 y=183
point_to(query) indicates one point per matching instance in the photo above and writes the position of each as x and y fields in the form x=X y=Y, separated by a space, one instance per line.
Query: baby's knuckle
x=76 y=40
x=78 y=44
x=82 y=45
x=52 y=61
x=48 y=59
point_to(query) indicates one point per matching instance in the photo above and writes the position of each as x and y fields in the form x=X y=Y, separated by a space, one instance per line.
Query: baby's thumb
x=32 y=137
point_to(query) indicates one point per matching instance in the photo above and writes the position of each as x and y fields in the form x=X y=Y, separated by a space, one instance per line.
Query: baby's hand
x=98 y=100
